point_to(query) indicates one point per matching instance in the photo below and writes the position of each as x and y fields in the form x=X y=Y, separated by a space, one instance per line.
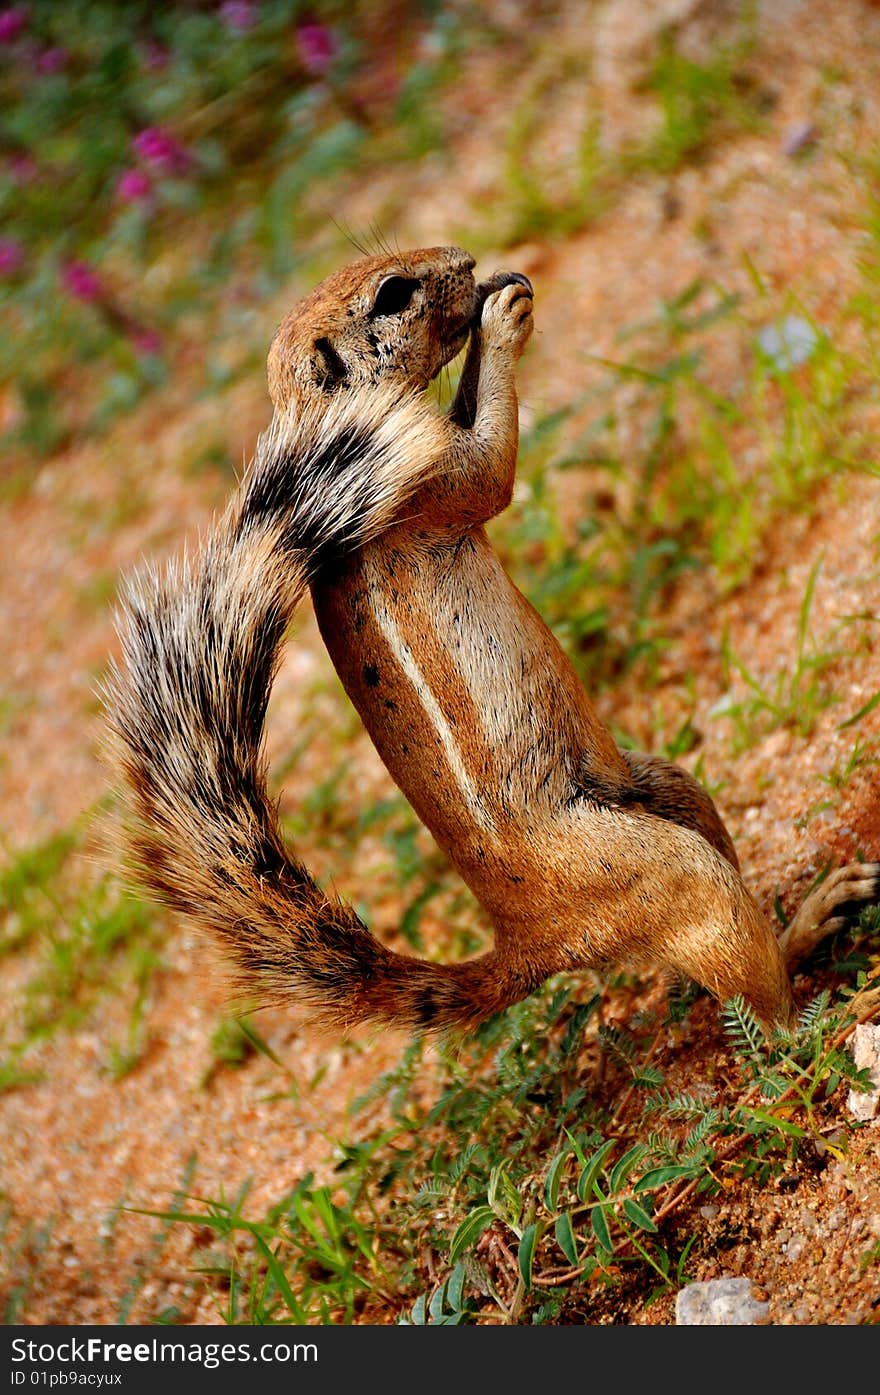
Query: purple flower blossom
x=52 y=60
x=238 y=14
x=12 y=21
x=134 y=186
x=155 y=56
x=81 y=281
x=147 y=341
x=160 y=149
x=22 y=169
x=316 y=45
x=799 y=138
x=11 y=256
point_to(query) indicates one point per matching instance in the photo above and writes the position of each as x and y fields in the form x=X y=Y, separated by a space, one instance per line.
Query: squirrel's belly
x=454 y=675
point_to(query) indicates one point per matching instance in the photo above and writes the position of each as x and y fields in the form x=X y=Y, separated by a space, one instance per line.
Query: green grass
x=550 y=195
x=700 y=102
x=795 y=695
x=600 y=538
x=22 y=1257
x=870 y=1257
x=147 y=1262
x=552 y=199
x=862 y=755
x=78 y=937
x=516 y=1184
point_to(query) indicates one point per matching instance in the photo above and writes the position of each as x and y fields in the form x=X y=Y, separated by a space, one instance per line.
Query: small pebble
x=799 y=138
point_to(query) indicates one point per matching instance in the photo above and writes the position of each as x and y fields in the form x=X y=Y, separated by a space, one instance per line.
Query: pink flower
x=12 y=21
x=316 y=45
x=147 y=341
x=133 y=186
x=238 y=14
x=22 y=169
x=11 y=256
x=52 y=60
x=158 y=148
x=81 y=281
x=155 y=56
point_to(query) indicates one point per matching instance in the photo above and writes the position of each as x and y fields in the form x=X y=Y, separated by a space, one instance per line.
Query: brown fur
x=580 y=853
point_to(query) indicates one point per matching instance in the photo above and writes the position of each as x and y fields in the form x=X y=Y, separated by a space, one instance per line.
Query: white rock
x=866 y=1054
x=719 y=1303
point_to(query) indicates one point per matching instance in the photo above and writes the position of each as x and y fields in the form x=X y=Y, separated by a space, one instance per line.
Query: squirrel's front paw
x=507 y=320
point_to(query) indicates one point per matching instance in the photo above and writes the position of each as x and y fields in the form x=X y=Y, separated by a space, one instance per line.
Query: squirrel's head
x=383 y=319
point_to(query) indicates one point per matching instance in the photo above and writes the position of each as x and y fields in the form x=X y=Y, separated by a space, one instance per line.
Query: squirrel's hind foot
x=830 y=907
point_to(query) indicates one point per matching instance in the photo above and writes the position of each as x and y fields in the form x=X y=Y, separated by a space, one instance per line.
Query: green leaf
x=784 y=1125
x=470 y=1230
x=578 y=1150
x=303 y=1207
x=862 y=712
x=553 y=1178
x=624 y=1166
x=278 y=1274
x=599 y=1222
x=564 y=1232
x=743 y=1028
x=526 y=1253
x=659 y=1176
x=455 y=1287
x=648 y=1077
x=326 y=1211
x=503 y=1196
x=638 y=1215
x=436 y=1305
x=592 y=1169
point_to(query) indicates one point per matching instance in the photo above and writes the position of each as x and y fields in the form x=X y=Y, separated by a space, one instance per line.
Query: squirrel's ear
x=329 y=368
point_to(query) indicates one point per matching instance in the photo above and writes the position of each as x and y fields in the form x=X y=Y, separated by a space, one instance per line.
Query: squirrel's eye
x=394 y=295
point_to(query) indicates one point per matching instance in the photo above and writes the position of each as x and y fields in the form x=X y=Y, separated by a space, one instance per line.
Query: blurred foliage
x=156 y=164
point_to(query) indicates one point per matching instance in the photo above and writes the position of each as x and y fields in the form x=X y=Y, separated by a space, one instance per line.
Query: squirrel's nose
x=461 y=260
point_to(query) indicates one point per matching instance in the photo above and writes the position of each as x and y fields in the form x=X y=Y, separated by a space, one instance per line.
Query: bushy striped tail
x=187 y=706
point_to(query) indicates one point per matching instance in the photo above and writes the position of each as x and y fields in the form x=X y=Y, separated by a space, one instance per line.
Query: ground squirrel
x=581 y=853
